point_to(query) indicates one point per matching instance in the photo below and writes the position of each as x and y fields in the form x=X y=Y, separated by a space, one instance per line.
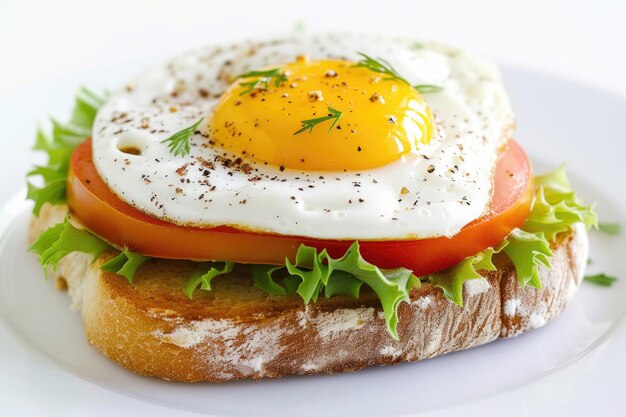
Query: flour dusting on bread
x=342 y=319
x=476 y=286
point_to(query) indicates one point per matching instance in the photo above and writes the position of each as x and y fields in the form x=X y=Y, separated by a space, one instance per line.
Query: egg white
x=434 y=192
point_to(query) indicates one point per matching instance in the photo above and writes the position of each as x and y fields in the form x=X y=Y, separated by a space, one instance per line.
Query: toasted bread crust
x=237 y=331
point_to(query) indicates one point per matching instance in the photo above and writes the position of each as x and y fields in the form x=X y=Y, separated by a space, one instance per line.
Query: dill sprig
x=264 y=80
x=309 y=124
x=178 y=143
x=380 y=65
x=384 y=67
x=427 y=88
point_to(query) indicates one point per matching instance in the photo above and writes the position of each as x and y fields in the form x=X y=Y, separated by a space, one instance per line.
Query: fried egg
x=315 y=146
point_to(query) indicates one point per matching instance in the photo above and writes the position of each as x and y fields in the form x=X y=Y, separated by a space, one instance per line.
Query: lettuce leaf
x=62 y=239
x=451 y=280
x=59 y=148
x=86 y=107
x=339 y=282
x=315 y=272
x=52 y=192
x=528 y=251
x=263 y=277
x=310 y=268
x=391 y=285
x=204 y=273
x=342 y=283
x=125 y=264
x=555 y=209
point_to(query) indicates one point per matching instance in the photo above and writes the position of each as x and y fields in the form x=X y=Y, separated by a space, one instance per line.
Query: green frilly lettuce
x=59 y=147
x=316 y=271
x=125 y=264
x=63 y=238
x=451 y=280
x=555 y=209
x=204 y=273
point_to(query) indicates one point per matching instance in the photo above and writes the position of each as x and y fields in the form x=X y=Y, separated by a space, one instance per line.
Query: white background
x=49 y=48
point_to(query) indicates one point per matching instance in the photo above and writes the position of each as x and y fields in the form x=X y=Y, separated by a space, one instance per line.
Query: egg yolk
x=321 y=115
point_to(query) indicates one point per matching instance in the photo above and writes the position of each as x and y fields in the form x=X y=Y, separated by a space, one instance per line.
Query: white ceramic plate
x=558 y=121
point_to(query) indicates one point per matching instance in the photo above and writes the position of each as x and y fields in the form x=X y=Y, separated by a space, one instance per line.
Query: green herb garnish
x=311 y=123
x=178 y=143
x=264 y=80
x=601 y=279
x=427 y=88
x=610 y=228
x=382 y=66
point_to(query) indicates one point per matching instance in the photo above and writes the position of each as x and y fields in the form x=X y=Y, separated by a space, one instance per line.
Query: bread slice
x=237 y=331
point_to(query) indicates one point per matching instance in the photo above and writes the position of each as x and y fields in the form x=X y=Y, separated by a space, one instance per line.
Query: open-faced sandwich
x=303 y=205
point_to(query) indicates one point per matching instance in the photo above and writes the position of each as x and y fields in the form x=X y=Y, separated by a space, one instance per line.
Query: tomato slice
x=102 y=212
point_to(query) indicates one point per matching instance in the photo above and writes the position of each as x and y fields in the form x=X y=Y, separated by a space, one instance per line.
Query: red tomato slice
x=102 y=212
